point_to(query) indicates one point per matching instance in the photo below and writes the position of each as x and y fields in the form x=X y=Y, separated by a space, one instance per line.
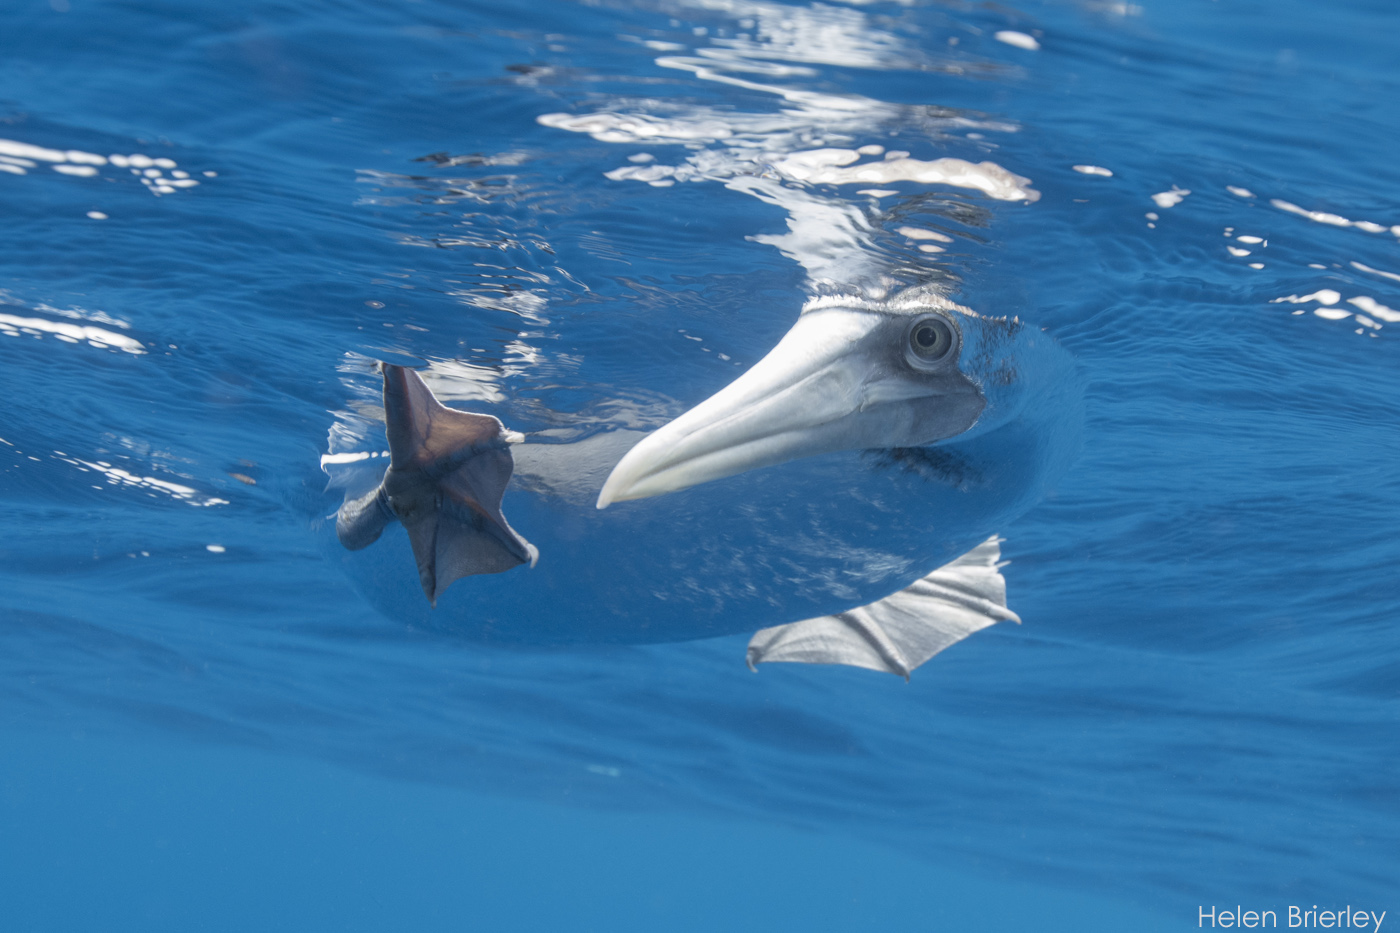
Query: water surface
x=596 y=210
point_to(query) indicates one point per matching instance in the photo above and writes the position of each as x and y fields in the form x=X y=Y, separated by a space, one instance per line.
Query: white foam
x=82 y=314
x=1333 y=220
x=1324 y=296
x=632 y=128
x=16 y=158
x=346 y=458
x=651 y=174
x=1319 y=217
x=832 y=167
x=11 y=325
x=12 y=147
x=1374 y=308
x=26 y=155
x=816 y=34
x=1166 y=199
x=785 y=155
x=918 y=233
x=119 y=477
x=1380 y=272
x=1018 y=39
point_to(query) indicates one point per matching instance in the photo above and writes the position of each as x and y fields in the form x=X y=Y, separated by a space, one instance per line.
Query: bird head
x=851 y=374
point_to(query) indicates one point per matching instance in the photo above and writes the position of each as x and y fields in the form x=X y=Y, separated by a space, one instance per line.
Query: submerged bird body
x=878 y=442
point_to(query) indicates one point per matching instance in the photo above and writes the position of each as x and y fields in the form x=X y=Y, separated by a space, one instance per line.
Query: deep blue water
x=209 y=723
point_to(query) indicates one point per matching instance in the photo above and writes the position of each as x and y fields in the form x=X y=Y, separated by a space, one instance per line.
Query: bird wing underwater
x=448 y=470
x=900 y=632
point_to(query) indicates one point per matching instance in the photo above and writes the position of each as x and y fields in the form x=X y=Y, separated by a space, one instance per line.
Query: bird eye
x=931 y=340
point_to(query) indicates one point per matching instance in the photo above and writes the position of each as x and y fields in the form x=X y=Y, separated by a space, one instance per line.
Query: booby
x=875 y=429
x=850 y=375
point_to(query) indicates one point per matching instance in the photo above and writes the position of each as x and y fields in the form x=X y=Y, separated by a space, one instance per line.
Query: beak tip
x=615 y=492
x=622 y=482
x=610 y=493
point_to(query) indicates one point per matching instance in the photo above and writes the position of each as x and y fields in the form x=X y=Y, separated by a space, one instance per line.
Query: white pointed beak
x=836 y=381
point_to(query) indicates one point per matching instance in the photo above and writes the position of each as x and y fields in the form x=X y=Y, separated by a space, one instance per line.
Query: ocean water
x=585 y=218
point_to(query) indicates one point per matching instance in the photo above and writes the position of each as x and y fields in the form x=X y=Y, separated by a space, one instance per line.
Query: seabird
x=899 y=375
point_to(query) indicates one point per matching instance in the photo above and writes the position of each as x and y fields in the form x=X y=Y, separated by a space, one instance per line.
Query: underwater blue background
x=207 y=726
